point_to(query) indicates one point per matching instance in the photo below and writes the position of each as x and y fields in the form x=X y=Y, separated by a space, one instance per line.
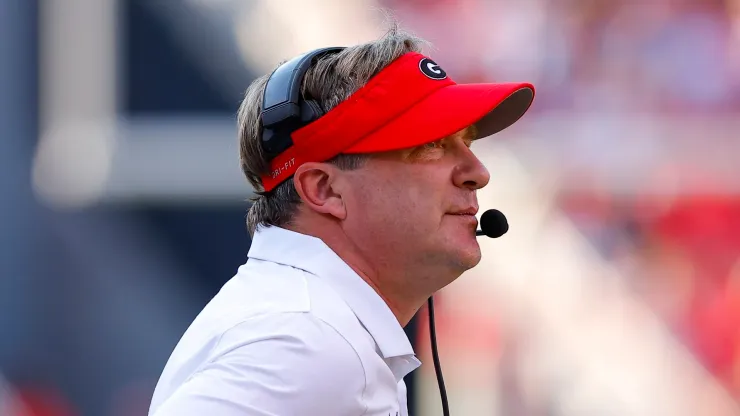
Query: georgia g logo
x=431 y=69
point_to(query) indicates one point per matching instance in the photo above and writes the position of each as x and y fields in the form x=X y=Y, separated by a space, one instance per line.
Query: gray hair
x=330 y=81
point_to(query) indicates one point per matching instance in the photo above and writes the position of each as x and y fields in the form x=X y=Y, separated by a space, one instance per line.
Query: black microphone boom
x=493 y=224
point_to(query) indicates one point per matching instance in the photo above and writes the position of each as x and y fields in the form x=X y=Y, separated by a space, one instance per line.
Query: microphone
x=493 y=224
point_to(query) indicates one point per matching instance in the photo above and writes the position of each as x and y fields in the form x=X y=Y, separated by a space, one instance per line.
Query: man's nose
x=470 y=172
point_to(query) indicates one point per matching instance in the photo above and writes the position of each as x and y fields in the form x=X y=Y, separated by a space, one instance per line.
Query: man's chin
x=469 y=254
x=463 y=248
x=472 y=259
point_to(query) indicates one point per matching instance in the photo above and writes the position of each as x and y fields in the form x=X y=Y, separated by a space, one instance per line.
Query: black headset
x=284 y=109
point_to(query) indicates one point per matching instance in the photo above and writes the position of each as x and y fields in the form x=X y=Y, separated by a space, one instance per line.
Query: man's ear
x=314 y=184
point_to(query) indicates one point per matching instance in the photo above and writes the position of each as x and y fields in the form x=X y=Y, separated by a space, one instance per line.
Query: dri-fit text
x=281 y=169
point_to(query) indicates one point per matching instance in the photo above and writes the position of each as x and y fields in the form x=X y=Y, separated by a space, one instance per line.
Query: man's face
x=415 y=209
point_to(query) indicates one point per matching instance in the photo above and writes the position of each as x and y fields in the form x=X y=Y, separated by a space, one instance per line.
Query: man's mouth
x=470 y=219
x=466 y=211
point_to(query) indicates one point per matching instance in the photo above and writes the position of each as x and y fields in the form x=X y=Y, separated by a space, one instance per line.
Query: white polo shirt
x=295 y=332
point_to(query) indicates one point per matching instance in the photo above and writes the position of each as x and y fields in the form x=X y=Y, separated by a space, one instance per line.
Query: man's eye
x=432 y=145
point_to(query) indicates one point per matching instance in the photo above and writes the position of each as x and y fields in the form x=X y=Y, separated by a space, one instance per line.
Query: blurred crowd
x=682 y=257
x=621 y=55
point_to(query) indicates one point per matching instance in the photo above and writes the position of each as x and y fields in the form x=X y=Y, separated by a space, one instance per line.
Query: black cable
x=435 y=357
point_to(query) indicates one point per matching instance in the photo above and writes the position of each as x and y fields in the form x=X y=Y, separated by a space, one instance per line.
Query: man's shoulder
x=281 y=296
x=270 y=354
x=267 y=300
x=258 y=288
x=301 y=333
x=267 y=288
x=276 y=317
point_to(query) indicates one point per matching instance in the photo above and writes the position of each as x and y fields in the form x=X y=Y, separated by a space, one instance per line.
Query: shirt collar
x=278 y=245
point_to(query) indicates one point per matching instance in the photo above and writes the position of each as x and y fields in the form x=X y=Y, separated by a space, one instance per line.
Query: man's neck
x=402 y=306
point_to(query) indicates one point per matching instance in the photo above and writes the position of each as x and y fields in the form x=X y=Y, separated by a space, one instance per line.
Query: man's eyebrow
x=471 y=133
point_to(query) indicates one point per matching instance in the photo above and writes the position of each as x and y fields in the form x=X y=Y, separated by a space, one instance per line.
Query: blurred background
x=616 y=292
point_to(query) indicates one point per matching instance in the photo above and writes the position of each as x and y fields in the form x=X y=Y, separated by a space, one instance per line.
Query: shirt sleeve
x=278 y=365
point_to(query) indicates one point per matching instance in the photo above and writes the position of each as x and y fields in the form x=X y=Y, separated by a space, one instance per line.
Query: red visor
x=409 y=103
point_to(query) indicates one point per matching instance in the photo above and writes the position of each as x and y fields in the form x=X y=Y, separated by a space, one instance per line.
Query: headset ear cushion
x=310 y=111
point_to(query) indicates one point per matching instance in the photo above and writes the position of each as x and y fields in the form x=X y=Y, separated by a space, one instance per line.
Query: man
x=367 y=214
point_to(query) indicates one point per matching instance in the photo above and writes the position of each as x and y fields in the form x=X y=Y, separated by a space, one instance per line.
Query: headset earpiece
x=284 y=110
x=310 y=111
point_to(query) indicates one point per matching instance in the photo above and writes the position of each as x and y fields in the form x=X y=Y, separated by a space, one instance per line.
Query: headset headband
x=284 y=110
